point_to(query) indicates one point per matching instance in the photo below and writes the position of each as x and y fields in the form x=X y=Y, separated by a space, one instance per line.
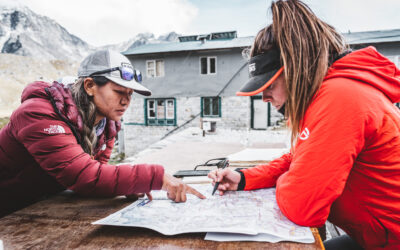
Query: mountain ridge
x=23 y=32
x=28 y=54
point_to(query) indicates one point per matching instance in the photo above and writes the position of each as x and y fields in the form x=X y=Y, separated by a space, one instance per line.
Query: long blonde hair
x=306 y=44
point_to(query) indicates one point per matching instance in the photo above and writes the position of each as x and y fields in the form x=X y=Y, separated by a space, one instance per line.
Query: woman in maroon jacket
x=61 y=138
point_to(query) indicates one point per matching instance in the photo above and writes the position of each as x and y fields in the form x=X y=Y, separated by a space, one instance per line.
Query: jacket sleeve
x=265 y=176
x=103 y=156
x=331 y=138
x=53 y=146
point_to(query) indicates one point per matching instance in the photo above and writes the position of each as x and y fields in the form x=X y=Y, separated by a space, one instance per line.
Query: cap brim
x=137 y=87
x=259 y=83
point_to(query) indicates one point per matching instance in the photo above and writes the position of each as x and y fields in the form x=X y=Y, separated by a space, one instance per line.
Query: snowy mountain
x=141 y=39
x=23 y=32
x=35 y=47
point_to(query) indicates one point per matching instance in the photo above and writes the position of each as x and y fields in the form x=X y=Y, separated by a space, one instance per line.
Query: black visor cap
x=263 y=70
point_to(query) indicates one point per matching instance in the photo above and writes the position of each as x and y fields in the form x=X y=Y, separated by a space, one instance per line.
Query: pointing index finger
x=191 y=190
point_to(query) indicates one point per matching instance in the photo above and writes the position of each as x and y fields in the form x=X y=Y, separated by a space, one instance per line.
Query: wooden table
x=64 y=222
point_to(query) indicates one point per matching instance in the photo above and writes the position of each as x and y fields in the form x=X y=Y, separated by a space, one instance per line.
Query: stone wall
x=187 y=108
x=235 y=113
x=137 y=136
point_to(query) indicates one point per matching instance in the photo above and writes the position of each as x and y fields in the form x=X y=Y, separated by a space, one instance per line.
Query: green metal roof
x=212 y=36
x=240 y=42
x=376 y=36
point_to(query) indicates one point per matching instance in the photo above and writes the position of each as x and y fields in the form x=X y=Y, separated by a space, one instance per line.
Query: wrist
x=242 y=182
x=165 y=181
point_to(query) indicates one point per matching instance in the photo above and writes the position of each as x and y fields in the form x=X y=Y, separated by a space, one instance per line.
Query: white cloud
x=113 y=21
x=104 y=22
x=10 y=3
x=358 y=15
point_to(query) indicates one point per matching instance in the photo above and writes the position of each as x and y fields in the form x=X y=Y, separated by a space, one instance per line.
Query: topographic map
x=250 y=213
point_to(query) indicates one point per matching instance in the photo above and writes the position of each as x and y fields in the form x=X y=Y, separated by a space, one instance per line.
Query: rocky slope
x=35 y=47
x=25 y=33
x=17 y=71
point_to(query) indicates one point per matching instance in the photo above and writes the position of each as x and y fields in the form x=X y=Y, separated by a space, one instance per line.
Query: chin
x=115 y=118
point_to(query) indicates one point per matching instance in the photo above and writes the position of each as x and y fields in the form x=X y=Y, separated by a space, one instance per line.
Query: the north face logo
x=305 y=134
x=252 y=67
x=55 y=129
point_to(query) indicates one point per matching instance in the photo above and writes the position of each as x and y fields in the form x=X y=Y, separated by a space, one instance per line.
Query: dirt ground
x=186 y=155
x=187 y=149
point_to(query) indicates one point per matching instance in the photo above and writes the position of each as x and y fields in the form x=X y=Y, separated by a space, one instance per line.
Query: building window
x=211 y=106
x=161 y=111
x=208 y=65
x=155 y=68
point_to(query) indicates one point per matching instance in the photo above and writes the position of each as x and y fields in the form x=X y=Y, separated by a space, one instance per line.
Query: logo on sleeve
x=252 y=67
x=55 y=129
x=305 y=134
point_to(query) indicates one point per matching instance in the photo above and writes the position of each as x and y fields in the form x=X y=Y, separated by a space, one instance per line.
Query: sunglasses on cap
x=126 y=73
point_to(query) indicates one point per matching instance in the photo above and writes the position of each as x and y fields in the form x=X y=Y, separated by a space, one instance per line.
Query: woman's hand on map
x=228 y=179
x=177 y=190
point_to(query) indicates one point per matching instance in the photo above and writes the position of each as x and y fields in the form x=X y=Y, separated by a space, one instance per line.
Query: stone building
x=194 y=83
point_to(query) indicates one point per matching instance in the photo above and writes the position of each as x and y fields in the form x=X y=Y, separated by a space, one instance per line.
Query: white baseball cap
x=115 y=67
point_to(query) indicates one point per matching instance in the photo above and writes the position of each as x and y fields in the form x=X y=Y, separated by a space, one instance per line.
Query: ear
x=89 y=86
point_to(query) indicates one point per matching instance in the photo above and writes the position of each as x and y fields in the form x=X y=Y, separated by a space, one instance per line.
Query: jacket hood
x=34 y=90
x=64 y=105
x=369 y=66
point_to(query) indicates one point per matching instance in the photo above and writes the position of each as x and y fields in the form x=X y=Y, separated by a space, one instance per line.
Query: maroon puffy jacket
x=40 y=153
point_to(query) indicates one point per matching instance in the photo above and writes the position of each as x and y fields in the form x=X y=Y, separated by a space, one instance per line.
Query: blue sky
x=104 y=22
x=249 y=16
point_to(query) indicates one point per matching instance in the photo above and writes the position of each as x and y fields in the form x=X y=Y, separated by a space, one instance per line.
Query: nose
x=126 y=99
x=266 y=96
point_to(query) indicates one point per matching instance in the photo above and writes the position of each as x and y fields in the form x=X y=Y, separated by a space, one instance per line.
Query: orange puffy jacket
x=345 y=166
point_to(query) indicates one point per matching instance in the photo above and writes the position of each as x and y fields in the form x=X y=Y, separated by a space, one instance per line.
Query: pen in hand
x=215 y=187
x=226 y=163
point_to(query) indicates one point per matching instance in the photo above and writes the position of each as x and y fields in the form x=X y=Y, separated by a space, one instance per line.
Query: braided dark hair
x=87 y=110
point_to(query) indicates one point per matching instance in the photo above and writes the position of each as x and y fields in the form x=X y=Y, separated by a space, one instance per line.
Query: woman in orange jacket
x=344 y=164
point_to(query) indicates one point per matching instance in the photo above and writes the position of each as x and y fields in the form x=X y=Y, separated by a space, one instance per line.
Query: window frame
x=154 y=61
x=208 y=65
x=167 y=119
x=219 y=106
x=148 y=109
x=168 y=109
